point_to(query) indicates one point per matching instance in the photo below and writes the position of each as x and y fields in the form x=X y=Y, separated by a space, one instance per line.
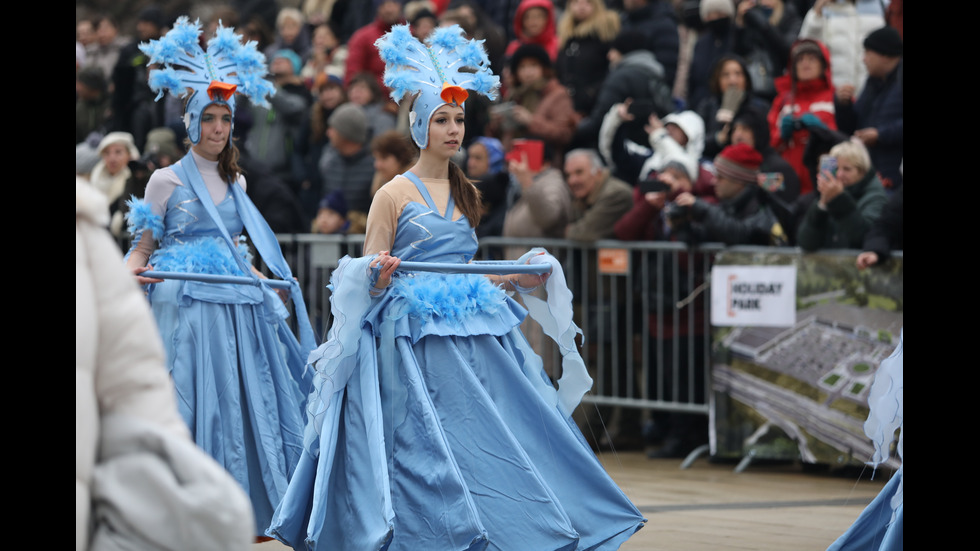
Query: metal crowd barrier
x=643 y=307
x=621 y=305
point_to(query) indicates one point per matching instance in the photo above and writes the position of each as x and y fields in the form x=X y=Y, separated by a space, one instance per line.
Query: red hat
x=739 y=162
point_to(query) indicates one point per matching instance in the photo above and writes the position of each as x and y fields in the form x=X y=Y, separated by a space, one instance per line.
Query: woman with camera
x=848 y=199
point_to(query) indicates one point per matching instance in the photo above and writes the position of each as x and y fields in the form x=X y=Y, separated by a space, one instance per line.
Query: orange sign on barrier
x=614 y=261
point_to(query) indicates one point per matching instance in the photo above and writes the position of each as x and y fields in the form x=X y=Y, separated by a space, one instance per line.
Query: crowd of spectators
x=640 y=85
x=763 y=122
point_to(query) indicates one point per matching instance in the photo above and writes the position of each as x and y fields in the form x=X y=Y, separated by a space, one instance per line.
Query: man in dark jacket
x=877 y=117
x=885 y=235
x=742 y=216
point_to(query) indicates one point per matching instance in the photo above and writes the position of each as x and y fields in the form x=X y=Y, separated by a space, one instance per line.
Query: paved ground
x=710 y=507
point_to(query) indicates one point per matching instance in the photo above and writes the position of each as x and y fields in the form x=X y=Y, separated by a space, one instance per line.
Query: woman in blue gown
x=881 y=525
x=237 y=366
x=432 y=424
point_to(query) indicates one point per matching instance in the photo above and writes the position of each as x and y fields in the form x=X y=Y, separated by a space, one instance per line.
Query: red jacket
x=643 y=223
x=796 y=98
x=363 y=56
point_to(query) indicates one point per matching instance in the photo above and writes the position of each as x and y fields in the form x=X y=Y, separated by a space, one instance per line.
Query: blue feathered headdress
x=213 y=76
x=438 y=72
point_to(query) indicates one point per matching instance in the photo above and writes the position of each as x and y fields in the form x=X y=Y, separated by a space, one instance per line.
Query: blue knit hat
x=495 y=152
x=335 y=201
x=293 y=58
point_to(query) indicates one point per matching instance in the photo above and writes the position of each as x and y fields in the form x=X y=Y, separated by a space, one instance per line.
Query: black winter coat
x=659 y=21
x=582 y=66
x=881 y=105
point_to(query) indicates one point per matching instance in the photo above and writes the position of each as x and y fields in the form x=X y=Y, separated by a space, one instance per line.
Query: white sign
x=753 y=295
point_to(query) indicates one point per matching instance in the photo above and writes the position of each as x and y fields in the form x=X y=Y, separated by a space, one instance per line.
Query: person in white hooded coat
x=843 y=25
x=677 y=137
x=134 y=458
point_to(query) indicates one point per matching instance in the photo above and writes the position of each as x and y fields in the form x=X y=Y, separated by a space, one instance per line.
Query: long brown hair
x=228 y=167
x=465 y=194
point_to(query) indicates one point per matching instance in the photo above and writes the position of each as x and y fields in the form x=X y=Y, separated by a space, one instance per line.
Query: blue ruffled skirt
x=430 y=431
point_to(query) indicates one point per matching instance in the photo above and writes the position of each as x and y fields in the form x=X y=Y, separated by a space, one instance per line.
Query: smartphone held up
x=533 y=149
x=828 y=164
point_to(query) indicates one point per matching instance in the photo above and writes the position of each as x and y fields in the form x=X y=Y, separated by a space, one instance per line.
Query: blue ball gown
x=881 y=525
x=432 y=424
x=238 y=369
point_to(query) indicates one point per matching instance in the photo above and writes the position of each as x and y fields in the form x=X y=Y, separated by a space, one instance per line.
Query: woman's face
x=323 y=38
x=289 y=29
x=360 y=93
x=423 y=28
x=534 y=22
x=529 y=70
x=386 y=165
x=115 y=156
x=677 y=133
x=477 y=161
x=808 y=67
x=446 y=131
x=847 y=172
x=731 y=76
x=215 y=131
x=581 y=9
x=742 y=133
x=331 y=96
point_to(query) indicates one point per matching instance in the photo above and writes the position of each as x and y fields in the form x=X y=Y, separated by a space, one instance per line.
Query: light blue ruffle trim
x=140 y=218
x=204 y=255
x=452 y=298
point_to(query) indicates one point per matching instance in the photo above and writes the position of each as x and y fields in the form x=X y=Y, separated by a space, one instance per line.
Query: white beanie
x=124 y=138
x=726 y=7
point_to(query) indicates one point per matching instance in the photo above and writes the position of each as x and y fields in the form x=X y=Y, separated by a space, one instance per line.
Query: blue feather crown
x=228 y=66
x=436 y=73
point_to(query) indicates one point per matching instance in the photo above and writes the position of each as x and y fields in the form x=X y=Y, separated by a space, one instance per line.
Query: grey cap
x=350 y=122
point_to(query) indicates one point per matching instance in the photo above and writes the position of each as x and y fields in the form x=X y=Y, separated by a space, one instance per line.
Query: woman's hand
x=653 y=123
x=845 y=93
x=283 y=293
x=145 y=280
x=520 y=169
x=387 y=265
x=685 y=199
x=526 y=282
x=866 y=259
x=623 y=110
x=868 y=136
x=522 y=115
x=828 y=186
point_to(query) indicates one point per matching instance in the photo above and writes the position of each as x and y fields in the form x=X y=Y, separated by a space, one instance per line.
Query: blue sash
x=265 y=243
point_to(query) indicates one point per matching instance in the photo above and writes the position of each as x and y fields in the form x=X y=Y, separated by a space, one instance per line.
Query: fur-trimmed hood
x=603 y=25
